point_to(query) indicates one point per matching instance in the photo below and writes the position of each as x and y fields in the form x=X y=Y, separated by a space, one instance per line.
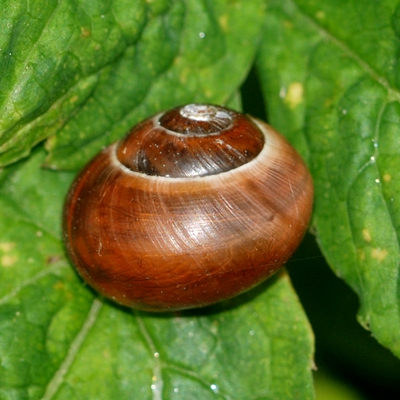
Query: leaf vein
x=73 y=350
x=393 y=92
x=157 y=379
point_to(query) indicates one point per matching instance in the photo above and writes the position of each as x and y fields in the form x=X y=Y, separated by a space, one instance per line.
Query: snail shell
x=192 y=207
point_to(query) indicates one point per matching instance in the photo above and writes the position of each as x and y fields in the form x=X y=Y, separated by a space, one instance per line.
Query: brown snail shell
x=193 y=206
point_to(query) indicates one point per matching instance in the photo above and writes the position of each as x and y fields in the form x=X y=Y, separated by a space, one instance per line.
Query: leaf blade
x=339 y=122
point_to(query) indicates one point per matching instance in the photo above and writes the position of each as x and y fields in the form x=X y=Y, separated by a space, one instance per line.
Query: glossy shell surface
x=161 y=243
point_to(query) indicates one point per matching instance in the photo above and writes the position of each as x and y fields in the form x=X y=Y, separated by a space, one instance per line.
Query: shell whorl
x=194 y=140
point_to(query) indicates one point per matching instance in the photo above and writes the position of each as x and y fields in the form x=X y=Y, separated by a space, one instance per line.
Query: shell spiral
x=193 y=206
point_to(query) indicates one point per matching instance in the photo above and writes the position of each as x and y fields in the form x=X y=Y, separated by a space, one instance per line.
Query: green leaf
x=88 y=70
x=52 y=56
x=81 y=73
x=57 y=340
x=332 y=88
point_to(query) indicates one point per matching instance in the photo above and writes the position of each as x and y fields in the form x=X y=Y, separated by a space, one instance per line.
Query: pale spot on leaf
x=288 y=24
x=208 y=93
x=379 y=254
x=223 y=21
x=6 y=246
x=294 y=95
x=367 y=235
x=387 y=177
x=73 y=99
x=8 y=261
